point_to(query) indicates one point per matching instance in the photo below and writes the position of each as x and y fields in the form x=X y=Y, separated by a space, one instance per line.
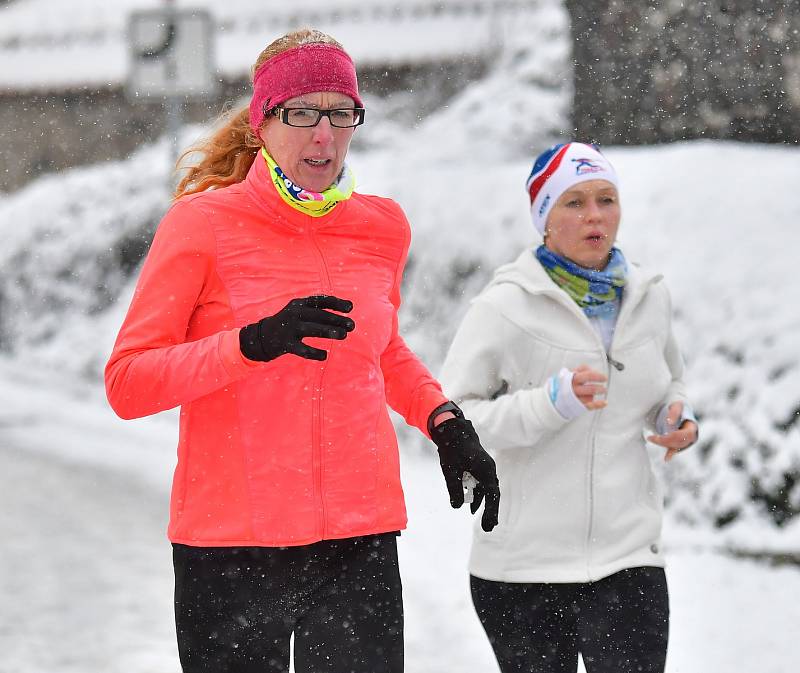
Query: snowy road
x=86 y=576
x=86 y=583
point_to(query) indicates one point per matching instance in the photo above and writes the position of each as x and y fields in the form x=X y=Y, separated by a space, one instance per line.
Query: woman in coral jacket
x=267 y=309
x=562 y=362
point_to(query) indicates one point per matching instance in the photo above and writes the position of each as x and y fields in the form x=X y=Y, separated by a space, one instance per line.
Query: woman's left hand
x=680 y=438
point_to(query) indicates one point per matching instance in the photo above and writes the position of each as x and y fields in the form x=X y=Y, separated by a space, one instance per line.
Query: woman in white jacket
x=565 y=363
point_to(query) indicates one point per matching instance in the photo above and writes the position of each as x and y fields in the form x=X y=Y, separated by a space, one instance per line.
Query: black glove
x=460 y=451
x=283 y=332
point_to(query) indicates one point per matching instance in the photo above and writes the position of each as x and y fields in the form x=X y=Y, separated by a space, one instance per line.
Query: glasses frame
x=282 y=113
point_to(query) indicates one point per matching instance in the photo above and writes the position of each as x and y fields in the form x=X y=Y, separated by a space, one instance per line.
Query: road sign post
x=171 y=59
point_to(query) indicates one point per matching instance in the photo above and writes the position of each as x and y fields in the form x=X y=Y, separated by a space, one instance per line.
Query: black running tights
x=236 y=607
x=618 y=624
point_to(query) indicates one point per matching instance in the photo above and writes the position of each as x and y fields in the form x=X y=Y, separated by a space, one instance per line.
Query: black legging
x=619 y=624
x=236 y=607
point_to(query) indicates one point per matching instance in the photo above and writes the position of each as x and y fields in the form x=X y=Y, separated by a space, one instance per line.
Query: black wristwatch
x=450 y=406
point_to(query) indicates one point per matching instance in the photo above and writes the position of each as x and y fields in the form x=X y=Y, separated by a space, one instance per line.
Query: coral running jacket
x=291 y=451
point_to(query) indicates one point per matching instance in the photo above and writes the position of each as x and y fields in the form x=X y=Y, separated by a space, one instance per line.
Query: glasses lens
x=344 y=118
x=302 y=117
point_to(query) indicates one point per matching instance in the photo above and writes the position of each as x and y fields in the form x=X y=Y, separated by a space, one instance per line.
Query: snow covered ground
x=86 y=570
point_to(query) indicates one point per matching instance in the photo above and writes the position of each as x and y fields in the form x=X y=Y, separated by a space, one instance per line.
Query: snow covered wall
x=88 y=38
x=718 y=219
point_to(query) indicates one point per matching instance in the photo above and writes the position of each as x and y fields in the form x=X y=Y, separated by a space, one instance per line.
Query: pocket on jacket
x=647 y=372
x=542 y=360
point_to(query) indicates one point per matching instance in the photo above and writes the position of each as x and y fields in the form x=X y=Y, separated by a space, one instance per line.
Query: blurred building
x=63 y=65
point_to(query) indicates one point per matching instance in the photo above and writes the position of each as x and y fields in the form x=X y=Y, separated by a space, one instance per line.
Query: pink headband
x=300 y=70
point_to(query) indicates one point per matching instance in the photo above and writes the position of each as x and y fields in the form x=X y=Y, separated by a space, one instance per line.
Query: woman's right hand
x=587 y=383
x=283 y=332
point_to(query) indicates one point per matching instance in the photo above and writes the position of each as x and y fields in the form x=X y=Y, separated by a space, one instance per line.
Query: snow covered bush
x=71 y=244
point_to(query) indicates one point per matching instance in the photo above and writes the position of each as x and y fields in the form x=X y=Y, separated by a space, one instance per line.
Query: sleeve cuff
x=562 y=396
x=430 y=398
x=545 y=411
x=233 y=361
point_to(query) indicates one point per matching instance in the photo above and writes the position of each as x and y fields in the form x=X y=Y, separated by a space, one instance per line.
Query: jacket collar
x=258 y=185
x=527 y=273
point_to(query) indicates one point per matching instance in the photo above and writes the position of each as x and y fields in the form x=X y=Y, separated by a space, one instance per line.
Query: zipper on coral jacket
x=318 y=401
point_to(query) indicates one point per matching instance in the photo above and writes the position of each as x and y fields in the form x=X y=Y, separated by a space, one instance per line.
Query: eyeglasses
x=344 y=118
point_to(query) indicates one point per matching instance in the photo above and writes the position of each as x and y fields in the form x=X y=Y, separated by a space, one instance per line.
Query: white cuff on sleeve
x=562 y=397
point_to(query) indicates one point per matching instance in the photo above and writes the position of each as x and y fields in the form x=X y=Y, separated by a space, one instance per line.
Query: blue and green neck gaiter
x=596 y=292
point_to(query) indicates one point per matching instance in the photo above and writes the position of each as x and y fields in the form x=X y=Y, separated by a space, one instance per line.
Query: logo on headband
x=543 y=207
x=585 y=166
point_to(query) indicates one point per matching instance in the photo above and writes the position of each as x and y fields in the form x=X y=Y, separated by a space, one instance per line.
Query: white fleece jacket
x=579 y=500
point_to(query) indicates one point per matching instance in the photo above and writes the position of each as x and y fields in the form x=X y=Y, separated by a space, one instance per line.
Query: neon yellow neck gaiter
x=311 y=203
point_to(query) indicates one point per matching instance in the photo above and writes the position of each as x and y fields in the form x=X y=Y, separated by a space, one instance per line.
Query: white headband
x=558 y=169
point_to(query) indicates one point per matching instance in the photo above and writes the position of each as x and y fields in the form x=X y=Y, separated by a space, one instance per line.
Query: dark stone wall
x=663 y=70
x=45 y=132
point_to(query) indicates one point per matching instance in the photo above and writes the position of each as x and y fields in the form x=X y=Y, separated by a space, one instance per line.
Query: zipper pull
x=614 y=363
